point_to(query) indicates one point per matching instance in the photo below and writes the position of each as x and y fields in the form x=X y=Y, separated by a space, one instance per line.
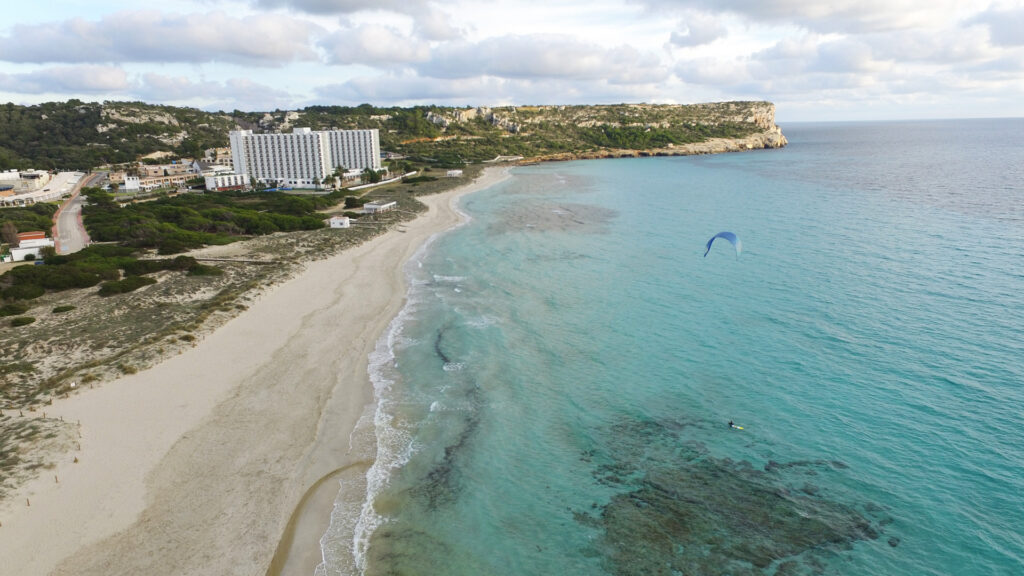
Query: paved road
x=72 y=236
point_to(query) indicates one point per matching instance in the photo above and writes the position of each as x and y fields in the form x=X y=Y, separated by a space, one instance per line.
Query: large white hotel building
x=304 y=156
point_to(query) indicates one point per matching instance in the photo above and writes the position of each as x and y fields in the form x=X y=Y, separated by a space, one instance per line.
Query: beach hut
x=339 y=222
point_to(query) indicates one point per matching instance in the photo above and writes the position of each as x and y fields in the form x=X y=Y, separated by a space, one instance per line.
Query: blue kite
x=728 y=236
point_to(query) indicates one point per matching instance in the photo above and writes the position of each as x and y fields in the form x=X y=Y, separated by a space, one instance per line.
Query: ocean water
x=554 y=398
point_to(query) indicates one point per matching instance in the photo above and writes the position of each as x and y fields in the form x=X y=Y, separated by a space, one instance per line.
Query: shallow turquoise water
x=554 y=398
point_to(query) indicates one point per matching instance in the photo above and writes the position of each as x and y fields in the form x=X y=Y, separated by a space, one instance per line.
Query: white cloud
x=229 y=94
x=430 y=21
x=407 y=88
x=374 y=45
x=698 y=28
x=544 y=56
x=833 y=16
x=87 y=79
x=1006 y=27
x=150 y=36
x=339 y=6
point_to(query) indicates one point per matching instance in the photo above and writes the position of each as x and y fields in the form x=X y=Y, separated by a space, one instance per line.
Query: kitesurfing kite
x=728 y=236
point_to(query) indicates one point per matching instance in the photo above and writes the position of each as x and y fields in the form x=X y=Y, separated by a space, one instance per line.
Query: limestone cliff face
x=754 y=122
x=759 y=114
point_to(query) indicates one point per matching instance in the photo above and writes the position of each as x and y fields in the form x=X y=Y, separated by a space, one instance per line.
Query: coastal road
x=71 y=234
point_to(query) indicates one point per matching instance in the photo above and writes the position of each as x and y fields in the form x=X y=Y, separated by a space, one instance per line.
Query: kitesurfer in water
x=731 y=425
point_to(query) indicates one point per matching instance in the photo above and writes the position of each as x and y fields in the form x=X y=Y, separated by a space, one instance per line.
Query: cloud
x=339 y=6
x=543 y=56
x=407 y=88
x=86 y=79
x=429 y=21
x=834 y=16
x=151 y=36
x=229 y=94
x=1006 y=27
x=373 y=44
x=697 y=29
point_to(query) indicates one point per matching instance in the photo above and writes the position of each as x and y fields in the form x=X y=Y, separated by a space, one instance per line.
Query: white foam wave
x=481 y=321
x=453 y=366
x=443 y=278
x=394 y=445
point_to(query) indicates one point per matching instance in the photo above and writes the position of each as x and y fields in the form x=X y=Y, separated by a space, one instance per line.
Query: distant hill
x=81 y=135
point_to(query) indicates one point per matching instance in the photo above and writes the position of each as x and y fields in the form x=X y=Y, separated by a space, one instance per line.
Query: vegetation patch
x=129 y=284
x=22 y=321
x=62 y=309
x=13 y=309
x=184 y=222
x=91 y=266
x=16 y=368
x=419 y=179
x=25 y=219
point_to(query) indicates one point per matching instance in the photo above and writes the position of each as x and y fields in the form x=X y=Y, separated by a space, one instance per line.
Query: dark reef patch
x=562 y=217
x=437 y=345
x=683 y=511
x=441 y=485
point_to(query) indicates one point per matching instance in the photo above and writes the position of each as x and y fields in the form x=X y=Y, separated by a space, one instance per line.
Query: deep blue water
x=554 y=398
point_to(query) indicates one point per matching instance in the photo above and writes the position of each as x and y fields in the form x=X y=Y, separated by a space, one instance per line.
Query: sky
x=817 y=61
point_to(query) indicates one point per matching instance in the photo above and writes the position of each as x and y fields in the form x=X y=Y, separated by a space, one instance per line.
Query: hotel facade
x=304 y=157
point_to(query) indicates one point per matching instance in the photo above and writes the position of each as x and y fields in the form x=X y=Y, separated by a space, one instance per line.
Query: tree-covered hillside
x=79 y=135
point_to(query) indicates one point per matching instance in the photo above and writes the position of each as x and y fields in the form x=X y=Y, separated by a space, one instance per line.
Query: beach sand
x=214 y=461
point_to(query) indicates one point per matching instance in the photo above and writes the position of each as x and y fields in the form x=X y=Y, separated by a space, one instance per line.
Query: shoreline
x=202 y=463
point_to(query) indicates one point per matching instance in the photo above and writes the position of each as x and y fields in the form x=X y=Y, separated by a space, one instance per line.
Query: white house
x=30 y=243
x=378 y=206
x=454 y=173
x=340 y=222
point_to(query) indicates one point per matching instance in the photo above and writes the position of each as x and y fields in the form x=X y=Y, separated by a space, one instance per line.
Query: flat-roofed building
x=378 y=206
x=30 y=243
x=354 y=149
x=304 y=157
x=339 y=222
x=220 y=182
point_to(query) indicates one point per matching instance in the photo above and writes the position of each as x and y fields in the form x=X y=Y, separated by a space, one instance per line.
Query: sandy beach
x=213 y=461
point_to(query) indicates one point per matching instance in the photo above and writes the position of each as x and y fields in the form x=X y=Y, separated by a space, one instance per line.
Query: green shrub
x=198 y=269
x=13 y=309
x=22 y=321
x=60 y=309
x=129 y=284
x=23 y=291
x=418 y=179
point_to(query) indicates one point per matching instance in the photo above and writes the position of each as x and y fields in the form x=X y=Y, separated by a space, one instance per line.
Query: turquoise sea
x=554 y=398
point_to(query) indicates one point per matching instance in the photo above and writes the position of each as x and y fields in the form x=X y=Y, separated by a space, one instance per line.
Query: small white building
x=454 y=173
x=30 y=243
x=340 y=222
x=221 y=182
x=132 y=183
x=378 y=206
